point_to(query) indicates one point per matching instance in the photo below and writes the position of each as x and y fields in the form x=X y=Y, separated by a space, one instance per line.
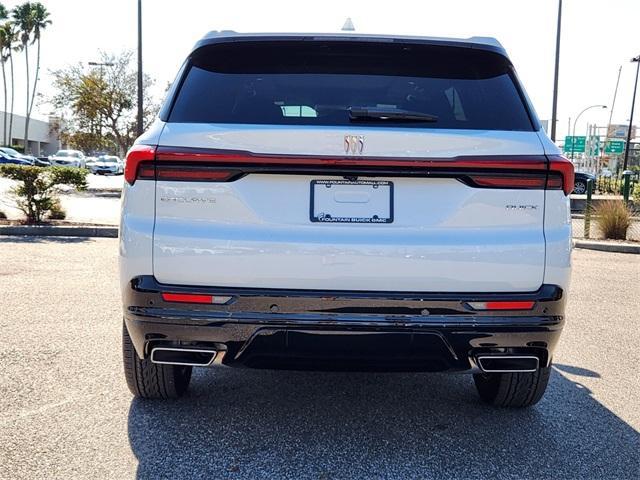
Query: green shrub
x=614 y=219
x=3 y=216
x=636 y=193
x=56 y=212
x=36 y=193
x=606 y=185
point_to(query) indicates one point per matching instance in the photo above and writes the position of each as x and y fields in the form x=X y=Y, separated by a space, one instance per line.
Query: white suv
x=68 y=158
x=345 y=202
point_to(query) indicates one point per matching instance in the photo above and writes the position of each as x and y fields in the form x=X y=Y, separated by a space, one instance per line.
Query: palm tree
x=23 y=18
x=12 y=35
x=3 y=48
x=40 y=18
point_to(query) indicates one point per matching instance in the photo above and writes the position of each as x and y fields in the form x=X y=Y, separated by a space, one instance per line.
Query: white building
x=43 y=140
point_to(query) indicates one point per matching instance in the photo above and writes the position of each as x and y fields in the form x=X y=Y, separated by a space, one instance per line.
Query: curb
x=58 y=231
x=100 y=192
x=607 y=247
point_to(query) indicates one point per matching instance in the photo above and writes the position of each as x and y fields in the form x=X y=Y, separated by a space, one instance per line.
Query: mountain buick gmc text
x=353 y=202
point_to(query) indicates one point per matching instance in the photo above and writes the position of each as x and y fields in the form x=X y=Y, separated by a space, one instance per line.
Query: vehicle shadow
x=276 y=424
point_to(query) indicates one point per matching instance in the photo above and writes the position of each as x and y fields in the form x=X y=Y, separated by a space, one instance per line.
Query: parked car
x=106 y=165
x=580 y=182
x=345 y=202
x=15 y=154
x=68 y=158
x=7 y=159
x=42 y=162
x=89 y=162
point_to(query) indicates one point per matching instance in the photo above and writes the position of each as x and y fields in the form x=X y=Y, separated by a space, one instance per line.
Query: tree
x=100 y=103
x=12 y=36
x=5 y=45
x=40 y=22
x=23 y=18
x=31 y=18
x=36 y=192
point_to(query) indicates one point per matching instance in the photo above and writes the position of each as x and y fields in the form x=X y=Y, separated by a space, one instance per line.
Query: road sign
x=594 y=146
x=614 y=146
x=574 y=144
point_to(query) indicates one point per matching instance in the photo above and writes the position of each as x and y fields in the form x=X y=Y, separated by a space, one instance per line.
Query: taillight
x=195 y=173
x=498 y=305
x=509 y=181
x=561 y=174
x=136 y=155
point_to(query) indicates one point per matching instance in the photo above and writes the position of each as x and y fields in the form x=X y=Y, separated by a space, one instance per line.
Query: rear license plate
x=345 y=201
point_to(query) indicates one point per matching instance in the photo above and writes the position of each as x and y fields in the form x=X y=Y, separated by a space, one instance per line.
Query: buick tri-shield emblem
x=353 y=144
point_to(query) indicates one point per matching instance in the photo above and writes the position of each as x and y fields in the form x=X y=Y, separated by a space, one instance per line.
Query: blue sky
x=598 y=37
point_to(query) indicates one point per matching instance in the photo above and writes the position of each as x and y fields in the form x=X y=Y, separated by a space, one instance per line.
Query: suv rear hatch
x=269 y=175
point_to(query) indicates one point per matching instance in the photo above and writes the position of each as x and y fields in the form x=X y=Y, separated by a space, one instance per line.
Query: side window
x=297 y=110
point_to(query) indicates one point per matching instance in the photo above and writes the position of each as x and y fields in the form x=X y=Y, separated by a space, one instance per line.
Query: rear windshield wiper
x=381 y=113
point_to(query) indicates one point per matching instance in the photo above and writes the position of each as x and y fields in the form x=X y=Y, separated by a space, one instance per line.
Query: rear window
x=316 y=83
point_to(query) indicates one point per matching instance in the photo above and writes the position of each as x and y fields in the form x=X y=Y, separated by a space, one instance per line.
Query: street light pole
x=573 y=135
x=139 y=118
x=554 y=110
x=633 y=104
x=613 y=105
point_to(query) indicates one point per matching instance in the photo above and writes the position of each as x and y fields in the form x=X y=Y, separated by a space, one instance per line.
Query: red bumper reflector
x=510 y=305
x=187 y=298
x=521 y=305
x=195 y=298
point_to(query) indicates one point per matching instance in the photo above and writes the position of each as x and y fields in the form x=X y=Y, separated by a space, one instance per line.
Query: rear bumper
x=316 y=330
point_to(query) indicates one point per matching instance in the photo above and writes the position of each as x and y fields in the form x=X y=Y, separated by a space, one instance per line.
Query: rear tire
x=151 y=380
x=512 y=389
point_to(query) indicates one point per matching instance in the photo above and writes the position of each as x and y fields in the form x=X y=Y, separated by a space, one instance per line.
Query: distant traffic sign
x=575 y=144
x=614 y=146
x=593 y=146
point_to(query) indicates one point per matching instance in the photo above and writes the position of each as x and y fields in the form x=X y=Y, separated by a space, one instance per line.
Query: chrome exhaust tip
x=189 y=357
x=508 y=363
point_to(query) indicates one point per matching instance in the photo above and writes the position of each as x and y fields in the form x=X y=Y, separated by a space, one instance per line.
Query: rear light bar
x=497 y=171
x=509 y=181
x=195 y=298
x=497 y=305
x=484 y=162
x=195 y=173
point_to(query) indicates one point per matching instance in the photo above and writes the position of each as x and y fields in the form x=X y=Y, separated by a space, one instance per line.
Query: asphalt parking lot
x=65 y=411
